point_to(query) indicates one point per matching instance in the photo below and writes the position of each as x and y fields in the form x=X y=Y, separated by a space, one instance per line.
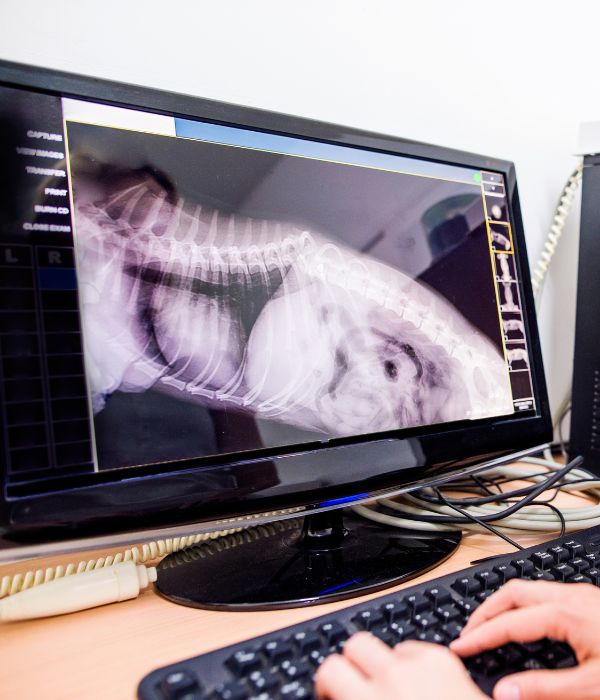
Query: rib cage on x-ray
x=267 y=318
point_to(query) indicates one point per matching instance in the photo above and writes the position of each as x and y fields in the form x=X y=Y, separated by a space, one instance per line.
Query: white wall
x=511 y=79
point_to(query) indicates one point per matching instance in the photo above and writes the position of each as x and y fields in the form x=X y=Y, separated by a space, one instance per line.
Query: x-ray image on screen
x=196 y=289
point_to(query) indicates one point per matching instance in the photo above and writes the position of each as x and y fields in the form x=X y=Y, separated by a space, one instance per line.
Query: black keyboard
x=280 y=665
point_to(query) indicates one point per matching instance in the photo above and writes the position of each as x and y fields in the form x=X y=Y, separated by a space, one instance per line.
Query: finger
x=413 y=647
x=580 y=682
x=369 y=654
x=515 y=594
x=526 y=625
x=338 y=679
x=413 y=650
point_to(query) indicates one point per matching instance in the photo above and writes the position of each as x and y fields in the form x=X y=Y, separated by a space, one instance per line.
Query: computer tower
x=585 y=420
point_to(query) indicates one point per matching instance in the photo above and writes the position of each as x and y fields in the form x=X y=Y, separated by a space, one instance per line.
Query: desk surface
x=104 y=652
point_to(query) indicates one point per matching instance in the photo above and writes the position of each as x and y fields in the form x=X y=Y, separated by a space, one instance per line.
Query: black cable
x=561 y=517
x=505 y=495
x=481 y=483
x=507 y=479
x=482 y=500
x=493 y=517
x=483 y=524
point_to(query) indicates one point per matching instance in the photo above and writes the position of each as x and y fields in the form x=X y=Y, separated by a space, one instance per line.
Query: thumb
x=578 y=683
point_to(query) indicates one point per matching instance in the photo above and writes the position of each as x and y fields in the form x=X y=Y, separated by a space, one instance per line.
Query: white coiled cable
x=561 y=213
x=9 y=585
x=140 y=554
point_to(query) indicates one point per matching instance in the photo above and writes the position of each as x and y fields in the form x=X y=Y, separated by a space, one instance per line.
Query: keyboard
x=280 y=665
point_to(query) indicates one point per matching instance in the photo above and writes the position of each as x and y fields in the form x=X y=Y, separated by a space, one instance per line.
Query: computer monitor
x=212 y=312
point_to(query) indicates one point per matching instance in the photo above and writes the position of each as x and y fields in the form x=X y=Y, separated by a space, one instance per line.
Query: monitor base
x=303 y=561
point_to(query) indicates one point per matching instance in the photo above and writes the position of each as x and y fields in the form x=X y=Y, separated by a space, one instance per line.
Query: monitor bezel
x=103 y=507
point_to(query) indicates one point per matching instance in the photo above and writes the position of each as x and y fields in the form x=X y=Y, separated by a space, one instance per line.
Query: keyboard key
x=467 y=586
x=452 y=630
x=425 y=621
x=534 y=648
x=243 y=662
x=558 y=656
x=490 y=580
x=263 y=682
x=511 y=655
x=594 y=575
x=542 y=576
x=491 y=663
x=306 y=642
x=562 y=572
x=593 y=558
x=369 y=619
x=395 y=611
x=295 y=669
x=317 y=656
x=542 y=560
x=439 y=595
x=467 y=606
x=178 y=684
x=525 y=567
x=580 y=564
x=593 y=546
x=296 y=690
x=277 y=651
x=486 y=664
x=560 y=554
x=579 y=578
x=333 y=632
x=387 y=637
x=417 y=603
x=448 y=613
x=405 y=630
x=433 y=637
x=506 y=572
x=575 y=548
x=230 y=691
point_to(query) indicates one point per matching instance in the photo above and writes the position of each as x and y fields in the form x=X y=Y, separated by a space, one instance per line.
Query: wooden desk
x=103 y=653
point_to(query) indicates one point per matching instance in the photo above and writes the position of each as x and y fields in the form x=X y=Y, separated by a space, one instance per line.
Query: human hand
x=525 y=611
x=370 y=670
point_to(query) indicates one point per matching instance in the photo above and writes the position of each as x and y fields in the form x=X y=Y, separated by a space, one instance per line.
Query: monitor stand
x=302 y=561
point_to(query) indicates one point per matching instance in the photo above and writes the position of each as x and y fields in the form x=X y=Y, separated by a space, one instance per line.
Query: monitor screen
x=184 y=293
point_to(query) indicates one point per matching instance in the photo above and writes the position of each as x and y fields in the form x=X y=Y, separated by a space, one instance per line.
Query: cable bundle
x=521 y=510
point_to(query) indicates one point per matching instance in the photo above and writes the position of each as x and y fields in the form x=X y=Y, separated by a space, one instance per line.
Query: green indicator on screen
x=477 y=178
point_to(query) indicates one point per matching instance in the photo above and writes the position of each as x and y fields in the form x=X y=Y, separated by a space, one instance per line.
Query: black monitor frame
x=211 y=489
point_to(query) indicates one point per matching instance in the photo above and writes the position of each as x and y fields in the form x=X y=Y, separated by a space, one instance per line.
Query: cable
x=511 y=509
x=526 y=512
x=559 y=424
x=487 y=526
x=11 y=585
x=559 y=218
